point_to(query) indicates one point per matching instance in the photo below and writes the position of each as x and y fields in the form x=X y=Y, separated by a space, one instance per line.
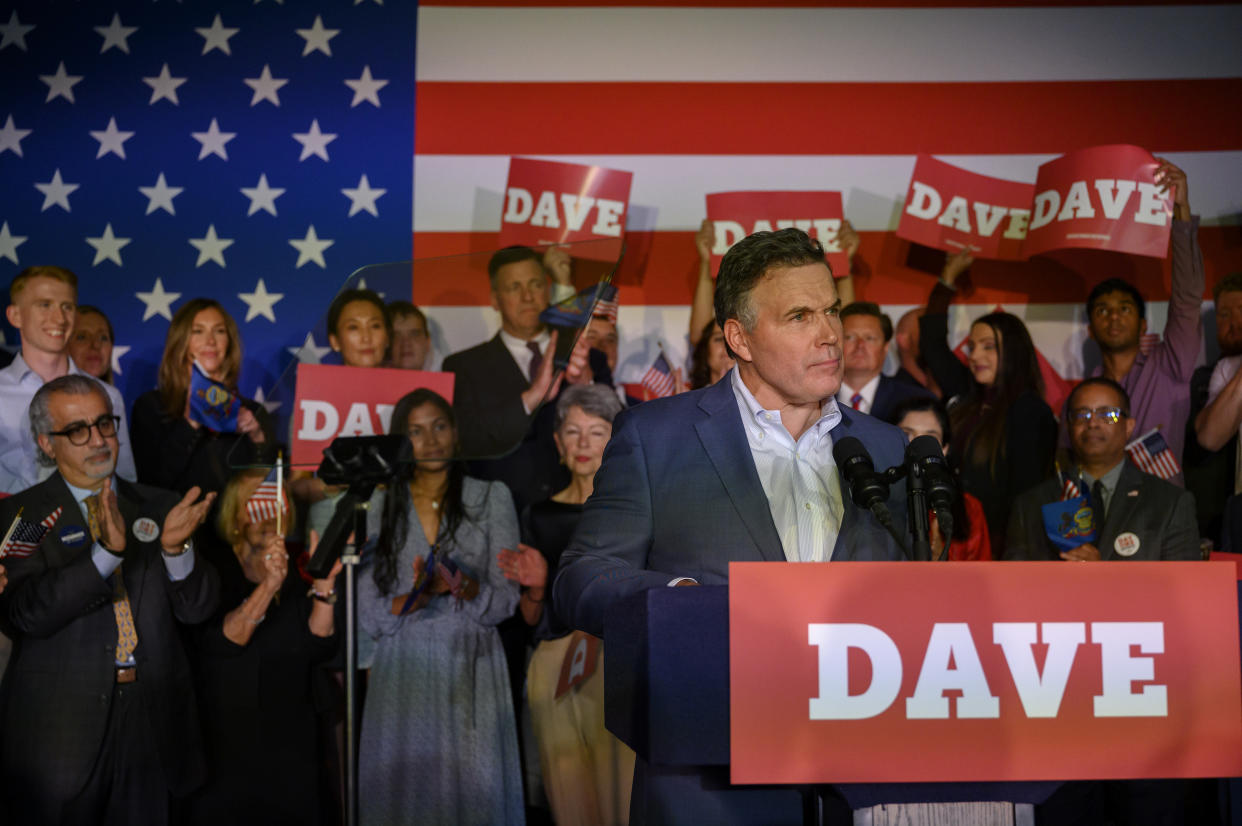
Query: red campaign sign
x=332 y=401
x=1102 y=198
x=738 y=214
x=952 y=209
x=548 y=202
x=870 y=672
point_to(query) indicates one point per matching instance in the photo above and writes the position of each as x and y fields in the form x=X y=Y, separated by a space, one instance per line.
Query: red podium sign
x=548 y=202
x=1104 y=197
x=992 y=671
x=738 y=214
x=332 y=400
x=951 y=209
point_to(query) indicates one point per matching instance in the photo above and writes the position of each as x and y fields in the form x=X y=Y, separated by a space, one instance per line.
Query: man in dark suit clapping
x=97 y=711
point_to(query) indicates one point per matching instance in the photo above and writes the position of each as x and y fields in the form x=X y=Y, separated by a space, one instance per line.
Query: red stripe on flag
x=840 y=4
x=660 y=268
x=460 y=118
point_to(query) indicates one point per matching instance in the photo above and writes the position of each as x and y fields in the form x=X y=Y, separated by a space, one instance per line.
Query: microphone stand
x=916 y=508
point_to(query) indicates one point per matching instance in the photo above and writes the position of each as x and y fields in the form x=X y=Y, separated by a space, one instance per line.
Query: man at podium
x=742 y=470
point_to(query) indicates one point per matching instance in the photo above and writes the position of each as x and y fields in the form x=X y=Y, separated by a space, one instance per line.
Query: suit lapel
x=511 y=374
x=726 y=445
x=1122 y=508
x=67 y=524
x=851 y=514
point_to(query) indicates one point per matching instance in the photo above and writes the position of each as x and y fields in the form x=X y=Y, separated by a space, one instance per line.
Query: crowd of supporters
x=468 y=714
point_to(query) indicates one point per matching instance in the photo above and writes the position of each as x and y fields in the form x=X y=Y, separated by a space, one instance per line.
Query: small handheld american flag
x=658 y=380
x=1152 y=455
x=23 y=538
x=269 y=499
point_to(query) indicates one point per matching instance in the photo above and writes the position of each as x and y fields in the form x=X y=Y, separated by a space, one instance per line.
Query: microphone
x=868 y=488
x=925 y=454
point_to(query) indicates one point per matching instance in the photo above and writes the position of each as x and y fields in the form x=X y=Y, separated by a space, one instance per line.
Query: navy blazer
x=892 y=392
x=678 y=495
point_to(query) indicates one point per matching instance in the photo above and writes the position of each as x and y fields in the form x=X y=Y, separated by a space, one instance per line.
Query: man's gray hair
x=40 y=406
x=594 y=399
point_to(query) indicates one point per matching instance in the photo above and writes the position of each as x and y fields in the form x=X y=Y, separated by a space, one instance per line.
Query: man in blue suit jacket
x=739 y=471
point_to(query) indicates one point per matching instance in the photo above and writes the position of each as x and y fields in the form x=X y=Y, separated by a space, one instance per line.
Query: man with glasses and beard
x=97 y=710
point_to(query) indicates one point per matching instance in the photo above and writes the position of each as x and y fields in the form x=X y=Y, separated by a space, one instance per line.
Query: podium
x=667 y=691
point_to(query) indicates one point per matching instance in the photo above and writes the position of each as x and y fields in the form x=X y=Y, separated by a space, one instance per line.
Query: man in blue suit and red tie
x=742 y=470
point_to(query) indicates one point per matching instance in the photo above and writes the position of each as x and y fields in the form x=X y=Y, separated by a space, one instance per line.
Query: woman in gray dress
x=439 y=744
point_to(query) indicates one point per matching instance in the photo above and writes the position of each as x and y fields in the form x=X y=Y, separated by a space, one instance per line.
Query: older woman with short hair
x=587 y=772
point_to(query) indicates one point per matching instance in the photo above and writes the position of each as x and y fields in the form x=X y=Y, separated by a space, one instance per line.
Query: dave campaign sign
x=1104 y=197
x=738 y=214
x=548 y=202
x=991 y=671
x=952 y=209
x=332 y=400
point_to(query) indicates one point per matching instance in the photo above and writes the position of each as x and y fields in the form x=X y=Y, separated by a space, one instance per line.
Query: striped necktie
x=856 y=401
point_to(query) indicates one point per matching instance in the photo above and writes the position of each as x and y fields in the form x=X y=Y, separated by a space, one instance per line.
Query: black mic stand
x=362 y=463
x=916 y=508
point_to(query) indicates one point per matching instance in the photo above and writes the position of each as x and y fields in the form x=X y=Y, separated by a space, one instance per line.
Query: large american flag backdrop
x=256 y=153
x=691 y=99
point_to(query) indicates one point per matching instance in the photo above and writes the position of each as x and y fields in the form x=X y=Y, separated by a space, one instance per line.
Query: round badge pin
x=145 y=529
x=72 y=536
x=1127 y=544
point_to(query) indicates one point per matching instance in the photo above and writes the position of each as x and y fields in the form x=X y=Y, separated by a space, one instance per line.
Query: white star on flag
x=308 y=352
x=161 y=195
x=111 y=139
x=107 y=246
x=265 y=86
x=157 y=301
x=11 y=137
x=210 y=247
x=262 y=196
x=261 y=398
x=114 y=34
x=118 y=350
x=14 y=32
x=9 y=243
x=363 y=197
x=60 y=84
x=216 y=36
x=260 y=302
x=56 y=192
x=310 y=248
x=164 y=86
x=365 y=88
x=314 y=142
x=213 y=141
x=317 y=38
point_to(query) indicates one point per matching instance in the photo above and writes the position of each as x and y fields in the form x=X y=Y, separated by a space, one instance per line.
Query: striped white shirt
x=799 y=477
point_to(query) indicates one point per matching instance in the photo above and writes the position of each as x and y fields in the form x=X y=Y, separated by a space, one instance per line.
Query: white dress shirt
x=846 y=394
x=19 y=467
x=799 y=477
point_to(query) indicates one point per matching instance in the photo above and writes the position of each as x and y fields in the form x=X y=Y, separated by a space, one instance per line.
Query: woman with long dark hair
x=171 y=449
x=1004 y=431
x=439 y=741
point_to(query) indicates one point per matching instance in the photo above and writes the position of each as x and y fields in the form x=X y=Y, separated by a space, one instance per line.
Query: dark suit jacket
x=678 y=496
x=892 y=392
x=58 y=687
x=492 y=425
x=1159 y=513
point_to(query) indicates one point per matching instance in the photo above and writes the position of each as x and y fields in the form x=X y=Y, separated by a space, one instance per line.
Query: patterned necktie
x=856 y=401
x=126 y=633
x=536 y=359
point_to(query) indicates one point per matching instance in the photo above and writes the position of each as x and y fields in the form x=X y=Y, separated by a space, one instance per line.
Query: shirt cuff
x=105 y=561
x=674 y=582
x=179 y=566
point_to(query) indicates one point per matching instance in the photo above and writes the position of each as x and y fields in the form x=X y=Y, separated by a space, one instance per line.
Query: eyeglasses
x=79 y=433
x=1112 y=415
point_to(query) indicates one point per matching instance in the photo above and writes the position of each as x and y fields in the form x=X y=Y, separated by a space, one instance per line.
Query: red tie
x=856 y=400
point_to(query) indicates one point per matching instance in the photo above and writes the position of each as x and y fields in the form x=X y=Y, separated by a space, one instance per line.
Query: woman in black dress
x=257 y=661
x=587 y=772
x=173 y=451
x=1004 y=433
